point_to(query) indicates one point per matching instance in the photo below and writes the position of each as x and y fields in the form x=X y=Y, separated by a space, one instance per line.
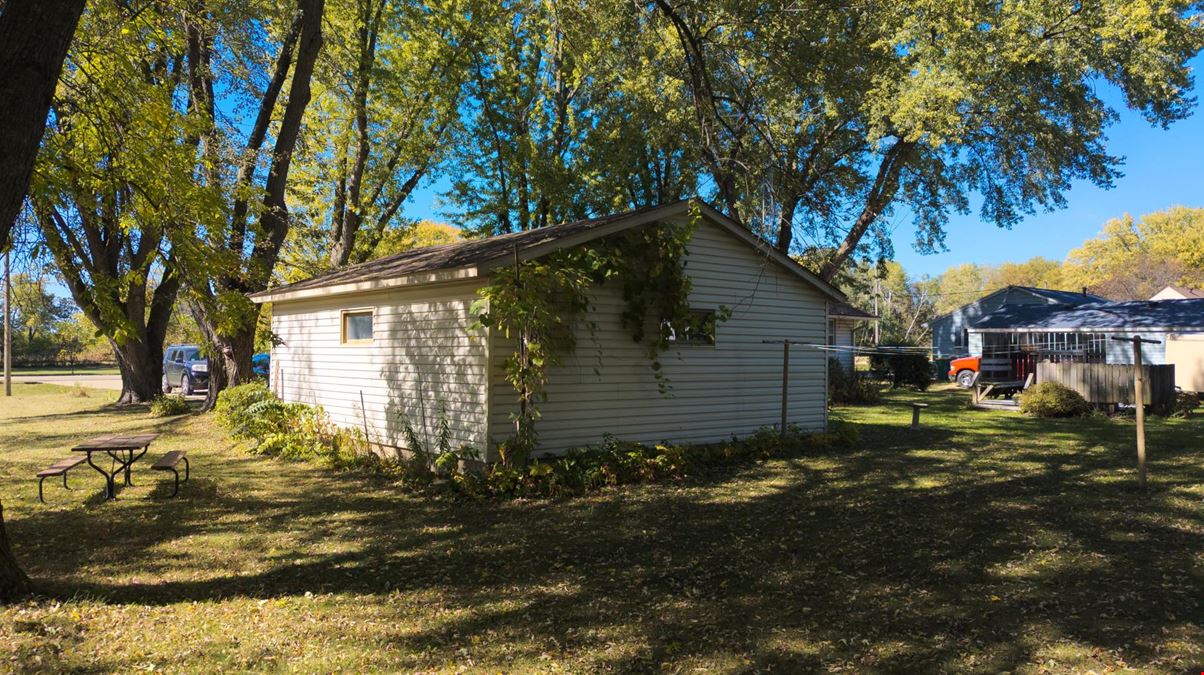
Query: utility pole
x=8 y=325
x=877 y=334
x=1139 y=400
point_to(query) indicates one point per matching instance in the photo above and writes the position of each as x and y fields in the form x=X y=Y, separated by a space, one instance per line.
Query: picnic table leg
x=110 y=489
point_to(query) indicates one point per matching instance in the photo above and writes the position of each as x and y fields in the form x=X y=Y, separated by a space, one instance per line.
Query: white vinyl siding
x=842 y=342
x=423 y=356
x=731 y=387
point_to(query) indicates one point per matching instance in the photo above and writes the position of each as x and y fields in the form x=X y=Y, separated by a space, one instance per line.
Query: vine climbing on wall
x=542 y=303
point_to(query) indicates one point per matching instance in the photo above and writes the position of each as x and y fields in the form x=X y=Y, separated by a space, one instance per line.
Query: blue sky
x=1162 y=167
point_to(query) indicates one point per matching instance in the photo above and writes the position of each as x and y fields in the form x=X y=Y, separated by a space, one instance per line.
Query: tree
x=37 y=314
x=225 y=259
x=34 y=37
x=388 y=89
x=570 y=111
x=838 y=117
x=1133 y=259
x=114 y=178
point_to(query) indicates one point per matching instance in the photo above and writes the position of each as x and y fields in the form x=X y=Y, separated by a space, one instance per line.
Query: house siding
x=949 y=339
x=732 y=387
x=425 y=357
x=842 y=341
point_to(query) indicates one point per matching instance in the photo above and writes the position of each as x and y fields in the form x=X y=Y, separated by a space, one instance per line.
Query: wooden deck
x=997 y=404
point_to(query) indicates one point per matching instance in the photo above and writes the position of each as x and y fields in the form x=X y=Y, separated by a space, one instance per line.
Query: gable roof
x=1182 y=291
x=847 y=311
x=1162 y=315
x=477 y=257
x=1062 y=297
x=1048 y=294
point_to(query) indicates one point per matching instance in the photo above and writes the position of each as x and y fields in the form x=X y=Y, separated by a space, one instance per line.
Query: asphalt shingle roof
x=1063 y=297
x=1136 y=315
x=451 y=256
x=849 y=311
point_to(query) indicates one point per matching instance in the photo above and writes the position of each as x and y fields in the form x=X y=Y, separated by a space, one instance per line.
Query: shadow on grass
x=925 y=550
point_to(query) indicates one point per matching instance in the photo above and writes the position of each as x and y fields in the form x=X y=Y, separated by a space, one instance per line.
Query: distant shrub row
x=847 y=388
x=903 y=369
x=297 y=431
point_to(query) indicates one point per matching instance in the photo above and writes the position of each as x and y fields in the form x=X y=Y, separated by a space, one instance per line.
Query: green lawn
x=68 y=370
x=984 y=542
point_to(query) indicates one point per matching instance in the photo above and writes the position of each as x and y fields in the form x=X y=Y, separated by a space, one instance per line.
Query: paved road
x=94 y=381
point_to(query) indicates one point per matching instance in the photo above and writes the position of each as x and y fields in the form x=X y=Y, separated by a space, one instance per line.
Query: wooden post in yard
x=1139 y=401
x=785 y=383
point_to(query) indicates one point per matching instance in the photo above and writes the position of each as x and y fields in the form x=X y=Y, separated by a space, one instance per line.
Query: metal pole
x=364 y=415
x=1139 y=395
x=8 y=338
x=785 y=386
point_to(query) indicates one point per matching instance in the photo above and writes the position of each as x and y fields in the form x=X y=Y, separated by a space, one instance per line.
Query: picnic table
x=124 y=449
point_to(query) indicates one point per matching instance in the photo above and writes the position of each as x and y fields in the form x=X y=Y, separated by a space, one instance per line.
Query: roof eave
x=368 y=286
x=1091 y=329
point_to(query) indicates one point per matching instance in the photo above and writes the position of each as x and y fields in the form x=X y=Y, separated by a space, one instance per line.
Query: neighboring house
x=950 y=332
x=399 y=335
x=842 y=321
x=1084 y=333
x=1177 y=293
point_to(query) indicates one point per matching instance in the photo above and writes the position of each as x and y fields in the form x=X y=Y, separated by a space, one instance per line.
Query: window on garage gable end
x=357 y=326
x=698 y=331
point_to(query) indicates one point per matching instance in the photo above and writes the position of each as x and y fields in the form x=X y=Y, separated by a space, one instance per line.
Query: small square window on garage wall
x=357 y=326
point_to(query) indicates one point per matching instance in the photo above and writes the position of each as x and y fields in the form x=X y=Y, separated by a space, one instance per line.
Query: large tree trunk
x=232 y=348
x=34 y=36
x=14 y=585
x=230 y=363
x=141 y=367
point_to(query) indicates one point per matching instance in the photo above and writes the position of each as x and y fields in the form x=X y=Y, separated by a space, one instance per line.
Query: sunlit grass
x=984 y=541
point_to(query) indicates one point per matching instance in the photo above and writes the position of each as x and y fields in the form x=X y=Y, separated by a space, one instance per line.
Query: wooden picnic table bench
x=59 y=468
x=169 y=462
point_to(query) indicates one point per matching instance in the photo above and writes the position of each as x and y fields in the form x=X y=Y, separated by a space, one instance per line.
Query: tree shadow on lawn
x=877 y=559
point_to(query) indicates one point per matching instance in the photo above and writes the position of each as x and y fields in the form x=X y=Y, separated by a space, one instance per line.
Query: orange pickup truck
x=962 y=370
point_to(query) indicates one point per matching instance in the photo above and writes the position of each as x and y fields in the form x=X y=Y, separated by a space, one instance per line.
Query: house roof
x=843 y=309
x=1170 y=315
x=475 y=257
x=1063 y=297
x=1052 y=295
x=1183 y=292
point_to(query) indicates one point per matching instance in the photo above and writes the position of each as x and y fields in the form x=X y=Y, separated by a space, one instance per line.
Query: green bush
x=847 y=388
x=298 y=431
x=233 y=403
x=903 y=369
x=290 y=430
x=166 y=406
x=616 y=462
x=1050 y=399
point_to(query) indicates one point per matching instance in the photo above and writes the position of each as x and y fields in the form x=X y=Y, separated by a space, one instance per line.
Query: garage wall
x=425 y=357
x=731 y=387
